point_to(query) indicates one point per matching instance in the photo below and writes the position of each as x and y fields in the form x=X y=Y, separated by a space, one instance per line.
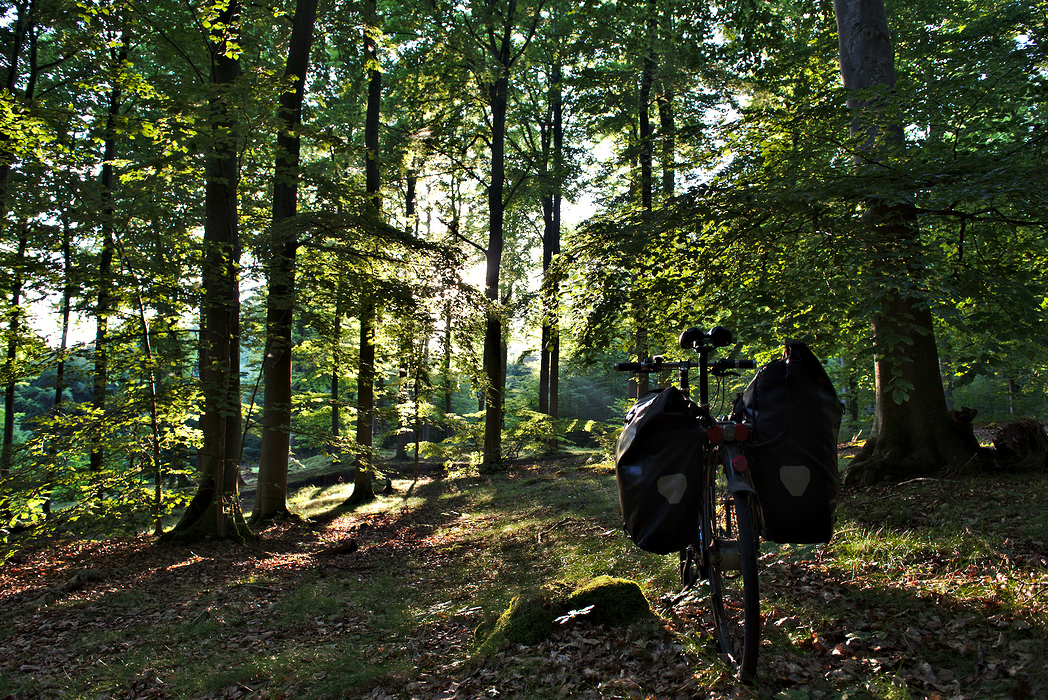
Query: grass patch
x=934 y=587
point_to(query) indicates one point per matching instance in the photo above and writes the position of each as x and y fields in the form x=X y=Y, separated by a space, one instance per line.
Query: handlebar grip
x=629 y=366
x=723 y=366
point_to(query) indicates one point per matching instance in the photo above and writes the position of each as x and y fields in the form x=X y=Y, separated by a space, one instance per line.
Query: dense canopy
x=237 y=236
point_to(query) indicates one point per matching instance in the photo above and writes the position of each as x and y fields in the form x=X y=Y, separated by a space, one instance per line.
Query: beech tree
x=271 y=491
x=215 y=509
x=552 y=200
x=501 y=46
x=23 y=35
x=912 y=432
x=363 y=487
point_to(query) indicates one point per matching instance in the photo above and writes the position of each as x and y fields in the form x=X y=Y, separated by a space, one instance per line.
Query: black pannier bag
x=658 y=472
x=796 y=418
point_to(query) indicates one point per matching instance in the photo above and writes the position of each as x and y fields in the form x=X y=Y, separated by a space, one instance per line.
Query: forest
x=250 y=251
x=238 y=237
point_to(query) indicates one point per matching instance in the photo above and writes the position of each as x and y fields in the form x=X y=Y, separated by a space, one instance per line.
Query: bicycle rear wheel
x=731 y=551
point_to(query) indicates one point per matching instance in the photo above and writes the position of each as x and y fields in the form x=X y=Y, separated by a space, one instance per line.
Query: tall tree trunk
x=549 y=365
x=668 y=130
x=638 y=383
x=498 y=99
x=667 y=124
x=14 y=330
x=336 y=369
x=404 y=433
x=215 y=510
x=911 y=433
x=647 y=81
x=271 y=492
x=68 y=289
x=106 y=282
x=446 y=369
x=363 y=486
x=547 y=257
x=23 y=31
x=554 y=292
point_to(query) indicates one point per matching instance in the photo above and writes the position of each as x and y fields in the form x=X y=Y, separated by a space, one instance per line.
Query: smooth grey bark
x=912 y=432
x=501 y=48
x=23 y=31
x=549 y=356
x=215 y=509
x=498 y=100
x=363 y=486
x=271 y=492
x=638 y=383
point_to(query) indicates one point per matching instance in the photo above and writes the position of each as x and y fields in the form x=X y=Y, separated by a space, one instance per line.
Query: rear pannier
x=796 y=417
x=658 y=471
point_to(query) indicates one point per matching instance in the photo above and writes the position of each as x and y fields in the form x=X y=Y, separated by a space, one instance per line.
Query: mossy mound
x=616 y=601
x=528 y=620
x=532 y=615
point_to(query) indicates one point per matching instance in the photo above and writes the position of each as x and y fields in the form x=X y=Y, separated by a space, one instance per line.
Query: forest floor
x=933 y=588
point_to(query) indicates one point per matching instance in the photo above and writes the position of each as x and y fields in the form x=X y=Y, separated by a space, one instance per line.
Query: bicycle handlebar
x=656 y=364
x=724 y=365
x=703 y=343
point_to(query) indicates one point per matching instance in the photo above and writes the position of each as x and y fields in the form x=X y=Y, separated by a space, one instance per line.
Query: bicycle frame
x=726 y=543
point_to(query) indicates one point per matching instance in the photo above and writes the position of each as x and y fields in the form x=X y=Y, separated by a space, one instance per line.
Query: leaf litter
x=938 y=620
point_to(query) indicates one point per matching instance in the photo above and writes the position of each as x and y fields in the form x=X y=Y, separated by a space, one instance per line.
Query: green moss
x=531 y=616
x=615 y=601
x=528 y=620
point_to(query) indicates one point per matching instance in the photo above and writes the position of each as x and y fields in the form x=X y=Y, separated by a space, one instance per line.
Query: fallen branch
x=77 y=580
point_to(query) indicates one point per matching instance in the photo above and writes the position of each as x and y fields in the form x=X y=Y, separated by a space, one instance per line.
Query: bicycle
x=725 y=548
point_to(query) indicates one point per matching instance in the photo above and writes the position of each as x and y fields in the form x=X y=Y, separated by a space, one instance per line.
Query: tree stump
x=962 y=422
x=983 y=458
x=1021 y=445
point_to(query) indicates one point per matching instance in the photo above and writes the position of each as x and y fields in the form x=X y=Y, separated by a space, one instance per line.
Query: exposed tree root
x=203 y=525
x=76 y=581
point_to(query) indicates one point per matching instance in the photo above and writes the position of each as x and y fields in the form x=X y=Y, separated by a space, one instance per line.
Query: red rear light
x=714 y=433
x=739 y=463
x=742 y=432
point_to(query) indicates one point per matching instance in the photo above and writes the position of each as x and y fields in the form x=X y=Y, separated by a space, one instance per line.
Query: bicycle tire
x=731 y=552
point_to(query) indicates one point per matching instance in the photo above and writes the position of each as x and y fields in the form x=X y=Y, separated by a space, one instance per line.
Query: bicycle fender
x=737 y=483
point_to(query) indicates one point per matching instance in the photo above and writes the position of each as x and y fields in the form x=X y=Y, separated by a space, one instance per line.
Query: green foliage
x=58 y=502
x=530 y=431
x=465 y=442
x=768 y=238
